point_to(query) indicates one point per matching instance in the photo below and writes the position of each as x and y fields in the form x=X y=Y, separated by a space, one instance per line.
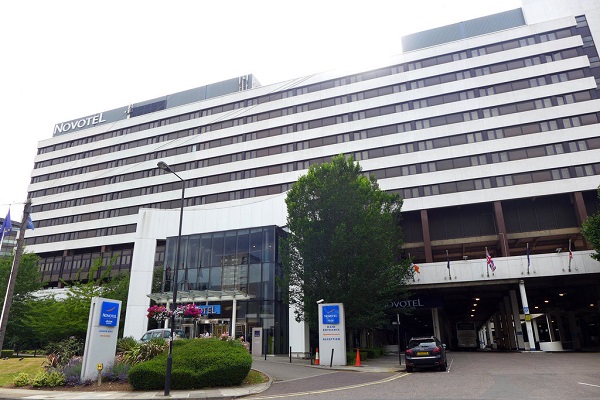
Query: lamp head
x=164 y=166
x=320 y=301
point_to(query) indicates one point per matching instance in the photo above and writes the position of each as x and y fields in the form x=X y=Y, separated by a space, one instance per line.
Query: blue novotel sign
x=210 y=309
x=331 y=314
x=109 y=314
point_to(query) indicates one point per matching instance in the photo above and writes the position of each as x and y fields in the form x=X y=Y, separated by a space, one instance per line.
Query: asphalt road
x=475 y=375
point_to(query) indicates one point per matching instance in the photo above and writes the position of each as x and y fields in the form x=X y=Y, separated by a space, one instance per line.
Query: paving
x=266 y=365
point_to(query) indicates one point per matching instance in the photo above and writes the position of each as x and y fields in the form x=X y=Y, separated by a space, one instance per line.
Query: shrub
x=144 y=351
x=197 y=363
x=72 y=371
x=61 y=353
x=118 y=371
x=7 y=353
x=50 y=378
x=126 y=343
x=22 y=379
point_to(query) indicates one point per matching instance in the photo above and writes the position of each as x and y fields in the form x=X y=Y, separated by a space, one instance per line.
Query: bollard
x=331 y=361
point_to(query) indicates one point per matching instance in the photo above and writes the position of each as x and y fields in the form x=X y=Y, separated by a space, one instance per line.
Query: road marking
x=279 y=396
x=588 y=384
x=450 y=366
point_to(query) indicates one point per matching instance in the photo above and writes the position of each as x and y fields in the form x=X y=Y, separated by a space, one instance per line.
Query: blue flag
x=29 y=222
x=6 y=226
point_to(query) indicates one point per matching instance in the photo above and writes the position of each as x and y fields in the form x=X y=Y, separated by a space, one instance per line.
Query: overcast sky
x=67 y=59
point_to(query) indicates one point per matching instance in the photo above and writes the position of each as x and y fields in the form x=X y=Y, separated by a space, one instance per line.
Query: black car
x=426 y=352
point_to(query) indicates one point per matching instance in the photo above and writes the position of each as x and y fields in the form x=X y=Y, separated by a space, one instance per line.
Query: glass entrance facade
x=244 y=260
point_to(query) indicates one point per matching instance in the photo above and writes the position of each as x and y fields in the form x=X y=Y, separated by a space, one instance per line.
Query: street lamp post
x=165 y=167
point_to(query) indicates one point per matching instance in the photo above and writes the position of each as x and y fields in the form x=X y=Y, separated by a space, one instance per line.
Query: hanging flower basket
x=188 y=311
x=159 y=313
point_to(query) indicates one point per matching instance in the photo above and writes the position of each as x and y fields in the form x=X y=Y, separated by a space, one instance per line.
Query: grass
x=255 y=377
x=12 y=367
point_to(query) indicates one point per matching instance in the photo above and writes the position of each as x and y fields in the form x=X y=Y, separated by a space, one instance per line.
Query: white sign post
x=101 y=337
x=332 y=334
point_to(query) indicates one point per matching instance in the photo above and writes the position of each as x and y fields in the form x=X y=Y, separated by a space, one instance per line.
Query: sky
x=63 y=60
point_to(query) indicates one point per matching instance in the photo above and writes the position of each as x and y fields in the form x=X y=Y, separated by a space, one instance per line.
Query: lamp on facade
x=165 y=167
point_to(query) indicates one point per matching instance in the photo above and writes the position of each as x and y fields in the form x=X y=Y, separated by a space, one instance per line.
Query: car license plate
x=422 y=353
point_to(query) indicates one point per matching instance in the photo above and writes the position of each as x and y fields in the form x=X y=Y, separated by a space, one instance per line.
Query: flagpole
x=528 y=258
x=487 y=265
x=10 y=288
x=570 y=255
x=448 y=265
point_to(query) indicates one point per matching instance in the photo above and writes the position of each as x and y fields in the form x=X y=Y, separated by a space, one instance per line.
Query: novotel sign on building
x=85 y=122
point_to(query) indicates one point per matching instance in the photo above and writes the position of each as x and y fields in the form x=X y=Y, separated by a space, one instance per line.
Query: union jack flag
x=490 y=262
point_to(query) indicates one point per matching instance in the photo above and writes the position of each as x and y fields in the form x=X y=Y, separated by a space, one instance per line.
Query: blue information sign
x=109 y=313
x=331 y=314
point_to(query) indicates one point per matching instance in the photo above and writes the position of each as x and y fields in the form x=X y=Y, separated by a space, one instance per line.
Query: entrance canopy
x=192 y=296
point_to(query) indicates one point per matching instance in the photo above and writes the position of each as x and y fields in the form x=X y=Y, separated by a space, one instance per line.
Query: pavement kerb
x=217 y=393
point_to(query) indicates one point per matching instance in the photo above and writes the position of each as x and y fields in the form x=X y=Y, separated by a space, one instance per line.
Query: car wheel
x=409 y=369
x=444 y=366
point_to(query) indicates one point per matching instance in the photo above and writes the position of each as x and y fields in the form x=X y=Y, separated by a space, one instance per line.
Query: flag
x=415 y=267
x=6 y=226
x=29 y=222
x=528 y=259
x=490 y=262
x=448 y=263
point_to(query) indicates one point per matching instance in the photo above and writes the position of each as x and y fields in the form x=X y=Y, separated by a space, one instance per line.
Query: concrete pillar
x=435 y=318
x=536 y=333
x=510 y=324
x=528 y=324
x=233 y=319
x=575 y=331
x=499 y=214
x=497 y=331
x=517 y=319
x=550 y=330
x=426 y=236
x=489 y=333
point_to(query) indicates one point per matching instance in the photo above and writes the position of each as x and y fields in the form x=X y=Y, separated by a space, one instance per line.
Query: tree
x=69 y=315
x=29 y=280
x=344 y=244
x=591 y=231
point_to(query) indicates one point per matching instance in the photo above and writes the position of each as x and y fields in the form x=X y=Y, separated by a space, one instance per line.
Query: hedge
x=197 y=363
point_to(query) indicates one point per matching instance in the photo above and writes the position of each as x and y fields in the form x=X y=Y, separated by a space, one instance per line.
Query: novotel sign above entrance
x=78 y=124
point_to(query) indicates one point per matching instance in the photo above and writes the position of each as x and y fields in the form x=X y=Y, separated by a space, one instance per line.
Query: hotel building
x=488 y=128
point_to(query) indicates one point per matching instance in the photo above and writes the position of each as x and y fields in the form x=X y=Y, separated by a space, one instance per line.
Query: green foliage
x=126 y=343
x=70 y=315
x=28 y=281
x=7 y=353
x=117 y=372
x=146 y=351
x=22 y=380
x=50 y=378
x=197 y=363
x=61 y=353
x=344 y=244
x=591 y=232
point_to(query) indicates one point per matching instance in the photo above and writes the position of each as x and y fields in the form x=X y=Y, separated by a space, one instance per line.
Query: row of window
x=439 y=165
x=121 y=259
x=415 y=125
x=500 y=181
x=527 y=41
x=414 y=104
x=414 y=192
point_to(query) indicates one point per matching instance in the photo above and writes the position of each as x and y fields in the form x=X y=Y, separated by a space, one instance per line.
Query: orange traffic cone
x=317 y=357
x=358 y=358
